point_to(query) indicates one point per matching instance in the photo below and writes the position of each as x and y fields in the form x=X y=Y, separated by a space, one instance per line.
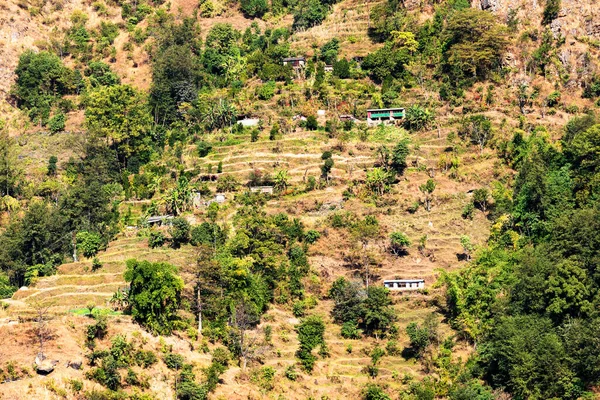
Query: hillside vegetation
x=114 y=112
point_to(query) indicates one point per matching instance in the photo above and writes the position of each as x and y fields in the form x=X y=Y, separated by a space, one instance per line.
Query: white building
x=262 y=189
x=404 y=284
x=386 y=116
x=296 y=62
x=249 y=121
x=219 y=198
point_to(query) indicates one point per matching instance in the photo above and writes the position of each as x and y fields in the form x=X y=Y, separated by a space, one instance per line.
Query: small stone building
x=404 y=284
x=262 y=189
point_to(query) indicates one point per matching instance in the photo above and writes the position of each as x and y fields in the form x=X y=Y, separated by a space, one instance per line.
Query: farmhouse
x=248 y=121
x=262 y=189
x=386 y=116
x=404 y=284
x=296 y=62
x=348 y=117
x=160 y=220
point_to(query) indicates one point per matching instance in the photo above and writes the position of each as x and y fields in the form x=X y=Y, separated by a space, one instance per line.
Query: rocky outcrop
x=44 y=366
x=76 y=364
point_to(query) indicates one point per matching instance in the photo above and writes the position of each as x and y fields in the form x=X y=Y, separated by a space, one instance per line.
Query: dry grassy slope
x=75 y=285
x=19 y=346
x=340 y=375
x=349 y=21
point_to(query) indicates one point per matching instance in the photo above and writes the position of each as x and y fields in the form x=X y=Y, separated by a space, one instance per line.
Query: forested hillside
x=203 y=199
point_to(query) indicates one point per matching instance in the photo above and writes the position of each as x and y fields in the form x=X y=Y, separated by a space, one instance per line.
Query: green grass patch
x=95 y=312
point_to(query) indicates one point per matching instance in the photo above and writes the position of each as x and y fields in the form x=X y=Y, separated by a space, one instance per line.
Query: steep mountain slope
x=437 y=235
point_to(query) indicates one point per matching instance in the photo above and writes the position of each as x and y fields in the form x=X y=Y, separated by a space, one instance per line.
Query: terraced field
x=76 y=285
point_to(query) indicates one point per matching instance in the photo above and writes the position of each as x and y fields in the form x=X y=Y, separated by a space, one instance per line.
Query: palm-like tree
x=281 y=180
x=178 y=199
x=377 y=180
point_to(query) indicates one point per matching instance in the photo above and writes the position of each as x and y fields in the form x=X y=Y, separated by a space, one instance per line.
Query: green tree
x=329 y=51
x=378 y=181
x=10 y=174
x=476 y=128
x=327 y=165
x=266 y=91
x=421 y=336
x=377 y=313
x=207 y=233
x=176 y=69
x=180 y=232
x=89 y=243
x=42 y=80
x=281 y=180
x=347 y=300
x=311 y=123
x=583 y=153
x=521 y=341
x=386 y=63
x=120 y=114
x=311 y=332
x=274 y=132
x=468 y=247
x=309 y=13
x=100 y=74
x=178 y=199
x=473 y=45
x=418 y=118
x=551 y=10
x=399 y=155
x=254 y=8
x=40 y=237
x=154 y=294
x=341 y=69
x=214 y=113
x=156 y=239
x=374 y=392
x=6 y=288
x=427 y=189
x=51 y=169
x=481 y=198
x=399 y=243
x=57 y=123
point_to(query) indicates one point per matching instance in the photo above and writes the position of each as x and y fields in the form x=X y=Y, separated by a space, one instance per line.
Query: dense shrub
x=173 y=360
x=156 y=239
x=154 y=294
x=57 y=123
x=89 y=243
x=42 y=79
x=310 y=335
x=180 y=232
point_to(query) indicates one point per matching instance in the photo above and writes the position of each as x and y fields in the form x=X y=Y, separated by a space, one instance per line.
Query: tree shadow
x=462 y=257
x=408 y=353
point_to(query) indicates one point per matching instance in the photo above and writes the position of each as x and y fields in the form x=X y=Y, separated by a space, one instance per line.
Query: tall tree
x=10 y=174
x=154 y=294
x=120 y=114
x=41 y=80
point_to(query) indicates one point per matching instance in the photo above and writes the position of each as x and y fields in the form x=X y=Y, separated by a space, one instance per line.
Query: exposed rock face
x=44 y=366
x=75 y=364
x=556 y=28
x=592 y=27
x=489 y=5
